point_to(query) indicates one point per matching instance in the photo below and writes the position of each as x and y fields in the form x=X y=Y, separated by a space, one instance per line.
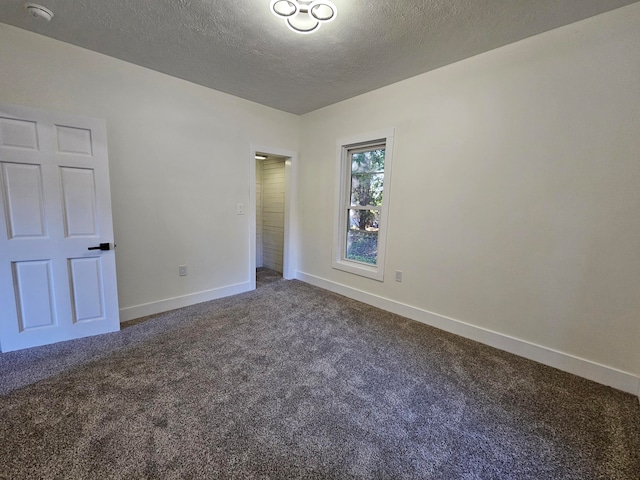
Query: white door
x=55 y=205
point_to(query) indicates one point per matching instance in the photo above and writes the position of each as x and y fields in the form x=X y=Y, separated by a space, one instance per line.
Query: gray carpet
x=291 y=381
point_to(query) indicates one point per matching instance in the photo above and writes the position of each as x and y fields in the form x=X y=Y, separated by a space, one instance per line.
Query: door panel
x=78 y=191
x=18 y=133
x=24 y=199
x=74 y=140
x=86 y=282
x=34 y=294
x=55 y=203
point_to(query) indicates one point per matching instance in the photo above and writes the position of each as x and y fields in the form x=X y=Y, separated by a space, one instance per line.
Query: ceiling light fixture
x=260 y=156
x=38 y=11
x=304 y=16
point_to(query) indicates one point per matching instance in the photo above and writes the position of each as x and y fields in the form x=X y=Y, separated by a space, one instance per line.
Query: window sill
x=368 y=271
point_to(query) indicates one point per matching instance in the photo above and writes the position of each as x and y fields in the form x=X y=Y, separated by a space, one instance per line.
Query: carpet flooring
x=291 y=381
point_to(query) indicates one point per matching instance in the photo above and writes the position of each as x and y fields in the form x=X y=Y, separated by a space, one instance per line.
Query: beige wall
x=515 y=195
x=179 y=161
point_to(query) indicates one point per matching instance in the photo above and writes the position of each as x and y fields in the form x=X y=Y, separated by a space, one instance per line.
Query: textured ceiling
x=239 y=47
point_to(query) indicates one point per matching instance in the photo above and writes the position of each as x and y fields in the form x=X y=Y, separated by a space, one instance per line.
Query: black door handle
x=102 y=246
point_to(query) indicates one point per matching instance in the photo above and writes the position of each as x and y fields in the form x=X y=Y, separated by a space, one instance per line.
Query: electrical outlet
x=398 y=276
x=182 y=270
x=240 y=209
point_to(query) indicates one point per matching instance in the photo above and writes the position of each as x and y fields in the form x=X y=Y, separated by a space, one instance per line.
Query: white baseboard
x=153 y=308
x=596 y=372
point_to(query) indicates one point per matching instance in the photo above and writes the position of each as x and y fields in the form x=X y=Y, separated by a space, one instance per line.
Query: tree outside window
x=366 y=194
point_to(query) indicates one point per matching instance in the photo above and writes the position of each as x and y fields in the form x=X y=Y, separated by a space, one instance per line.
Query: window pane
x=366 y=189
x=371 y=161
x=362 y=236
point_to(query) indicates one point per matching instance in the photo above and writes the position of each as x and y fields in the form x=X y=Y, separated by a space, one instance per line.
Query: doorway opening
x=270 y=207
x=272 y=222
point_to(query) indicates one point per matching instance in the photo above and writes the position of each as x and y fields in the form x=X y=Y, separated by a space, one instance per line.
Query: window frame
x=344 y=147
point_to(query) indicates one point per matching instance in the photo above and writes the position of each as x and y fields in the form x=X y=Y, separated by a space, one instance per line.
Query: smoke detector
x=38 y=11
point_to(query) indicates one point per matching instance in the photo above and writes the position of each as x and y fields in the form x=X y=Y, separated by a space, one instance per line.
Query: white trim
x=343 y=172
x=290 y=253
x=367 y=137
x=581 y=367
x=252 y=219
x=153 y=308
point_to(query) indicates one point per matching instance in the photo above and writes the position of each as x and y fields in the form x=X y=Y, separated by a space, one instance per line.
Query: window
x=364 y=166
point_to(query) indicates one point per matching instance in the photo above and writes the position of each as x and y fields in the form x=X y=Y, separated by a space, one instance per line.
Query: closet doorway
x=273 y=212
x=270 y=211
